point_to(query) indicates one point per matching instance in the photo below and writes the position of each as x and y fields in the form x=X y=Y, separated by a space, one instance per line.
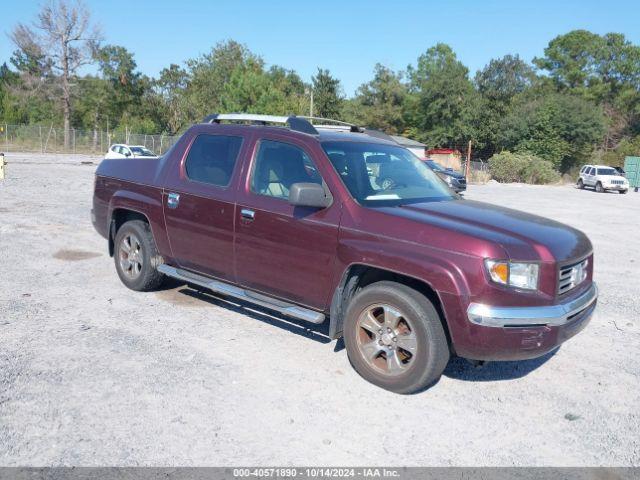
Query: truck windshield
x=379 y=174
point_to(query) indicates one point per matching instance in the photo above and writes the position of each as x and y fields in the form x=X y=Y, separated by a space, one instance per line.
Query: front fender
x=443 y=271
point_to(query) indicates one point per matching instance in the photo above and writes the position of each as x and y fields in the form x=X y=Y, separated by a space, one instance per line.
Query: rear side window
x=280 y=165
x=211 y=159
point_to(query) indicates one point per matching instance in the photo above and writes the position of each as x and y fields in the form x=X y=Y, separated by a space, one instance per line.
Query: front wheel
x=580 y=184
x=394 y=337
x=136 y=256
x=599 y=188
x=623 y=191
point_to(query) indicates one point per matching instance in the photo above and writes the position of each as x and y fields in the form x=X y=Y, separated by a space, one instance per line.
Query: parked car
x=290 y=218
x=129 y=151
x=602 y=178
x=455 y=180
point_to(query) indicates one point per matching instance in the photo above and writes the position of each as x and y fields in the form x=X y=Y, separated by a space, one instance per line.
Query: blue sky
x=346 y=37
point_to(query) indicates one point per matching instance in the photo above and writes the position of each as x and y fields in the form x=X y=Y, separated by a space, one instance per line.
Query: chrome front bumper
x=553 y=315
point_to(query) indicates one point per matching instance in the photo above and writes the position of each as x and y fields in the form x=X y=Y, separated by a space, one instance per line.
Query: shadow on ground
x=319 y=333
x=458 y=368
x=462 y=369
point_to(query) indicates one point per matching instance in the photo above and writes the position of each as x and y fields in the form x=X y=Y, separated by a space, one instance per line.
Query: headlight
x=513 y=274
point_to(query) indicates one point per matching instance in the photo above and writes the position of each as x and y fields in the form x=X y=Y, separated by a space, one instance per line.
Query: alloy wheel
x=130 y=254
x=386 y=339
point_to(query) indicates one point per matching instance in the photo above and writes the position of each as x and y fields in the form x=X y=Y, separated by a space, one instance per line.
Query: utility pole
x=468 y=166
x=311 y=105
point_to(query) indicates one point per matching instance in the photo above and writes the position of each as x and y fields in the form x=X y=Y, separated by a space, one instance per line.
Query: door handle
x=173 y=199
x=247 y=214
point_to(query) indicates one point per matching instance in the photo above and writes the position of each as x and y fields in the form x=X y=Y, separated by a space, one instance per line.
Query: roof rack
x=338 y=124
x=299 y=124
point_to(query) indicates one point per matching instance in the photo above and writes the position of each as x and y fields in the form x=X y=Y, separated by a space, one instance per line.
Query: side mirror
x=127 y=154
x=308 y=195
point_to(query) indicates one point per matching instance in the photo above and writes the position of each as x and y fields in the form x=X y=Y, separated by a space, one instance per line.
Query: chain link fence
x=50 y=139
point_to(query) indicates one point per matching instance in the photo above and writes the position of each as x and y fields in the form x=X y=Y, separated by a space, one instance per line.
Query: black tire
x=580 y=184
x=599 y=188
x=623 y=191
x=432 y=350
x=147 y=277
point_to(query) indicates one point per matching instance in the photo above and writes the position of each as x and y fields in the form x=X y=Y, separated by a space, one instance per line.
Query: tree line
x=579 y=102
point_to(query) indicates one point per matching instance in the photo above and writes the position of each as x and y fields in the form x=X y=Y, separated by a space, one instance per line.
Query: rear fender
x=148 y=204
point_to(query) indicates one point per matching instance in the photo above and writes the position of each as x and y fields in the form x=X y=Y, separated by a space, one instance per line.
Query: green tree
x=379 y=103
x=498 y=82
x=94 y=96
x=171 y=87
x=210 y=73
x=559 y=127
x=61 y=39
x=605 y=69
x=442 y=107
x=503 y=78
x=327 y=97
x=118 y=68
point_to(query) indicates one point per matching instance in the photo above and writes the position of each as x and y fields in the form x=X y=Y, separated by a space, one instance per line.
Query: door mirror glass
x=308 y=195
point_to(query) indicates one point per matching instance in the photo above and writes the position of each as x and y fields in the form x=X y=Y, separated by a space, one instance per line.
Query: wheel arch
x=119 y=216
x=358 y=276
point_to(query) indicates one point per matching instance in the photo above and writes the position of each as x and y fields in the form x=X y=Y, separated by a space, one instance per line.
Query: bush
x=508 y=167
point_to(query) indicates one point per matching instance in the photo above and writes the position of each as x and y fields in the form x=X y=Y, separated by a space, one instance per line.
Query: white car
x=120 y=150
x=602 y=178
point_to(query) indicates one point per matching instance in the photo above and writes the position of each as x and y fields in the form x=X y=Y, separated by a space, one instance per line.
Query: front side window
x=278 y=166
x=211 y=159
x=379 y=174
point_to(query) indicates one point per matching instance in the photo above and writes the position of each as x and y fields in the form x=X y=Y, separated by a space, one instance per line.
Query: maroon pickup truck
x=339 y=223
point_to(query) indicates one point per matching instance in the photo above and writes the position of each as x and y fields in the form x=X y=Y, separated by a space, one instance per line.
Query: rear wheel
x=136 y=256
x=599 y=188
x=394 y=337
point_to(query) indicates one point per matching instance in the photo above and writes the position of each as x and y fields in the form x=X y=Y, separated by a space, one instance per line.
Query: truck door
x=282 y=250
x=199 y=203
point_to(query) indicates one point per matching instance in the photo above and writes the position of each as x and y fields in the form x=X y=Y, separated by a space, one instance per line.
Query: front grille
x=462 y=180
x=617 y=182
x=572 y=275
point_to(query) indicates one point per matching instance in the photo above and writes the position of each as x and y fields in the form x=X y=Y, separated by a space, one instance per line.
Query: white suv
x=602 y=178
x=120 y=150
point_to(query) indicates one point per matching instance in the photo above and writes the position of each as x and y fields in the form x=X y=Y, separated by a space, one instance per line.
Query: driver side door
x=281 y=250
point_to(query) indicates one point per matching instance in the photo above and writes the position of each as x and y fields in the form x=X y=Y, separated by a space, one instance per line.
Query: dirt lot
x=94 y=374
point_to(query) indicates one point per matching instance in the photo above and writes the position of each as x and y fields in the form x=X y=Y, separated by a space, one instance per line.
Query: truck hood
x=522 y=235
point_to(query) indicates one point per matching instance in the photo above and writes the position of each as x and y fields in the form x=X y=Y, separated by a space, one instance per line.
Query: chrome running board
x=256 y=298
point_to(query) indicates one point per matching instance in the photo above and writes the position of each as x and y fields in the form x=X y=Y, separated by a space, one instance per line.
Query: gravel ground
x=94 y=374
